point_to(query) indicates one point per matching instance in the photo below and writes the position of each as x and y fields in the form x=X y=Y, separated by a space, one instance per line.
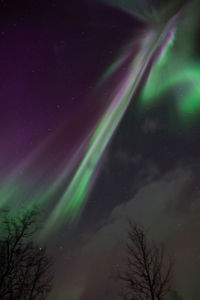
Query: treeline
x=26 y=271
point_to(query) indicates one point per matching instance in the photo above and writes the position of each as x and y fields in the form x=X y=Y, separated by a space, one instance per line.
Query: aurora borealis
x=71 y=201
x=99 y=101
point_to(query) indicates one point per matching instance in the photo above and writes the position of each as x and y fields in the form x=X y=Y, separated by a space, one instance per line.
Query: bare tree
x=148 y=271
x=25 y=268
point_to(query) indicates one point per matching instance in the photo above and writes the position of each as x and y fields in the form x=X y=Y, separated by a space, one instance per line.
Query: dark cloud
x=156 y=206
x=151 y=126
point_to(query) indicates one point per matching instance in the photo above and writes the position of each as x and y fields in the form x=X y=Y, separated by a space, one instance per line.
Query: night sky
x=65 y=66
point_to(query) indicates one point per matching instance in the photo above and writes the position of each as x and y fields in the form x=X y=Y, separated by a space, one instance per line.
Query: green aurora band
x=173 y=68
x=177 y=71
x=73 y=200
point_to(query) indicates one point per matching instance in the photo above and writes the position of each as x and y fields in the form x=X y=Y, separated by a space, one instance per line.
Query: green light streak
x=189 y=105
x=187 y=101
x=113 y=67
x=165 y=55
x=8 y=191
x=176 y=71
x=157 y=82
x=72 y=202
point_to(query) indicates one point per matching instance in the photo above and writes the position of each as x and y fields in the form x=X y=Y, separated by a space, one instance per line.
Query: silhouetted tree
x=25 y=268
x=148 y=271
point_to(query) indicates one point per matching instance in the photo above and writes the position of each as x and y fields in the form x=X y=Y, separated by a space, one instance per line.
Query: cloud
x=152 y=203
x=124 y=157
x=156 y=206
x=152 y=126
